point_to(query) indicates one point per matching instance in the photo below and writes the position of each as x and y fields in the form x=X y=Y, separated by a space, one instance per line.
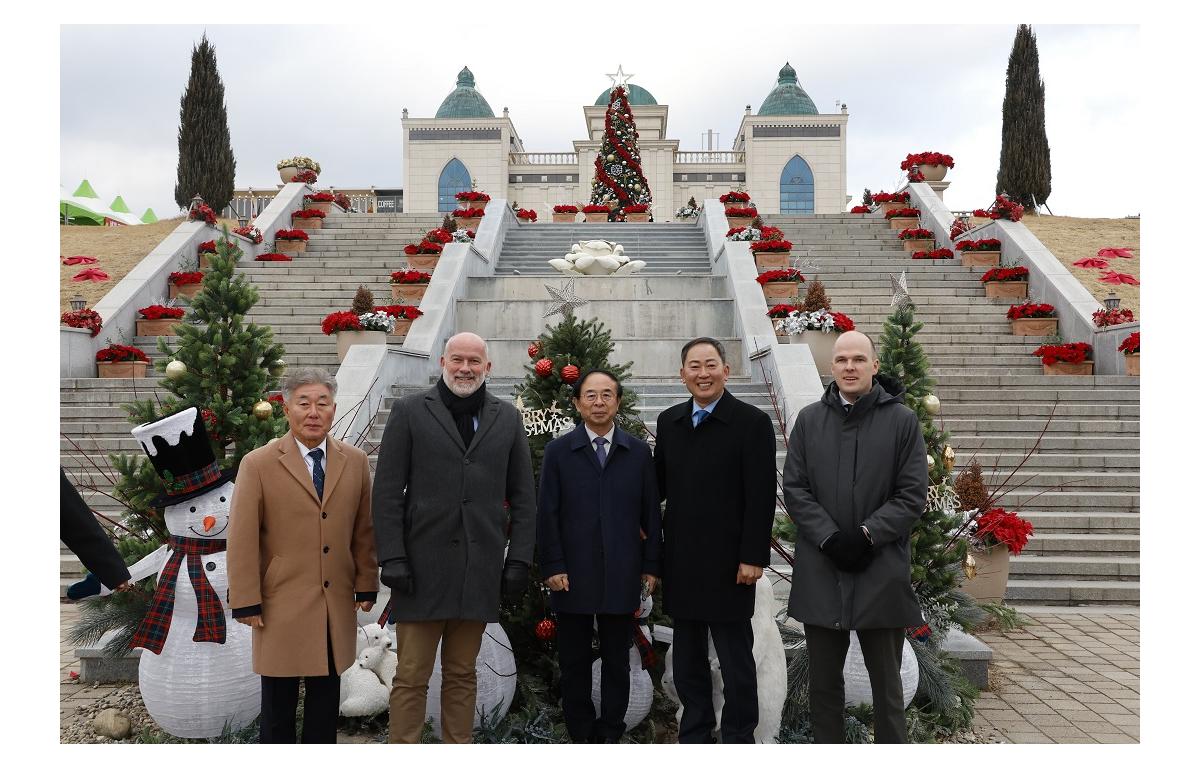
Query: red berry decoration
x=570 y=374
x=534 y=350
x=543 y=367
x=545 y=630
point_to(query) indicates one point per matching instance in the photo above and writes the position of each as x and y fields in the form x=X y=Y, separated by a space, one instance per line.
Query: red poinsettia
x=471 y=196
x=411 y=277
x=1115 y=253
x=343 y=200
x=185 y=278
x=1071 y=352
x=1119 y=278
x=981 y=213
x=782 y=310
x=842 y=323
x=83 y=318
x=250 y=232
x=734 y=230
x=208 y=246
x=1102 y=318
x=71 y=261
x=1029 y=310
x=566 y=209
x=526 y=214
x=319 y=197
x=307 y=176
x=902 y=213
x=860 y=209
x=890 y=197
x=1090 y=263
x=937 y=253
x=926 y=158
x=987 y=244
x=423 y=247
x=439 y=235
x=999 y=526
x=595 y=209
x=91 y=274
x=780 y=276
x=340 y=321
x=771 y=233
x=735 y=197
x=770 y=246
x=202 y=213
x=291 y=234
x=121 y=353
x=638 y=208
x=159 y=312
x=960 y=227
x=401 y=311
x=742 y=213
x=915 y=233
x=275 y=398
x=308 y=213
x=272 y=257
x=1005 y=275
x=1132 y=344
x=467 y=213
x=914 y=174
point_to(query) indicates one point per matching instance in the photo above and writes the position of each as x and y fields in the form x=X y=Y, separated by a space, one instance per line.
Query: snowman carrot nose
x=209 y=522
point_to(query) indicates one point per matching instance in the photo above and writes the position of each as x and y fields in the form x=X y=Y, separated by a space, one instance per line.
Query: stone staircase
x=1080 y=488
x=666 y=248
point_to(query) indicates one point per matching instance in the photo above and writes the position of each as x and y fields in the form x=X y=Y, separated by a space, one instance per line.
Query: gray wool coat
x=443 y=506
x=842 y=472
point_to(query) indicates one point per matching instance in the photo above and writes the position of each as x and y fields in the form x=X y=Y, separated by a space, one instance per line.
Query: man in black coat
x=855 y=482
x=599 y=532
x=715 y=457
x=78 y=529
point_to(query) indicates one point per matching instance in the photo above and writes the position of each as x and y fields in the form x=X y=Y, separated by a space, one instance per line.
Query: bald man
x=453 y=488
x=855 y=483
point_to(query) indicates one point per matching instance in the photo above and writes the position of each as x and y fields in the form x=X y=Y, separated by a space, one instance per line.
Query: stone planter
x=157 y=327
x=132 y=369
x=423 y=261
x=905 y=222
x=991 y=574
x=564 y=218
x=290 y=246
x=1035 y=326
x=781 y=290
x=920 y=244
x=204 y=262
x=1069 y=369
x=894 y=206
x=347 y=339
x=410 y=292
x=1007 y=289
x=287 y=172
x=821 y=346
x=187 y=291
x=980 y=258
x=933 y=172
x=401 y=327
x=640 y=218
x=595 y=217
x=315 y=206
x=468 y=223
x=765 y=260
x=739 y=221
x=307 y=224
x=1133 y=364
x=478 y=205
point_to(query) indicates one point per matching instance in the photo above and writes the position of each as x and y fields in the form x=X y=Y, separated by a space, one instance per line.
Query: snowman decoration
x=195 y=672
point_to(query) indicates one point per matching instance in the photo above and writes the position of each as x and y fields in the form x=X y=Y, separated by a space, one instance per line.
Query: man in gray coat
x=855 y=482
x=453 y=486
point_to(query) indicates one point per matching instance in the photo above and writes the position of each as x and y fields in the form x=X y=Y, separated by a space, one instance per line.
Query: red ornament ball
x=570 y=374
x=543 y=367
x=545 y=630
x=534 y=350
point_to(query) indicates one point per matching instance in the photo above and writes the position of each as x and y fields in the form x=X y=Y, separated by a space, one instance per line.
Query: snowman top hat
x=182 y=455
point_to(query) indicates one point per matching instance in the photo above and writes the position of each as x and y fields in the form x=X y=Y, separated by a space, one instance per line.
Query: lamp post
x=1113 y=301
x=78 y=302
x=197 y=201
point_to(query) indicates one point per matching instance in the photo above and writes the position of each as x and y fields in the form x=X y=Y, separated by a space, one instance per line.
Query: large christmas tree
x=619 y=181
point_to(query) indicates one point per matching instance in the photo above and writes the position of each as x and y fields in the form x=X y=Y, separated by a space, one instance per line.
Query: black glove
x=515 y=580
x=398 y=575
x=850 y=552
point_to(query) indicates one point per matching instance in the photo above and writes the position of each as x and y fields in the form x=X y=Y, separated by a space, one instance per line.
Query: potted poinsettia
x=1132 y=347
x=995 y=535
x=771 y=254
x=819 y=329
x=565 y=214
x=250 y=232
x=320 y=201
x=203 y=250
x=423 y=255
x=916 y=239
x=778 y=312
x=467 y=218
x=1070 y=359
x=935 y=254
x=291 y=240
x=308 y=218
x=184 y=284
x=890 y=201
x=527 y=215
x=595 y=213
x=903 y=218
x=735 y=199
x=932 y=166
x=740 y=216
x=861 y=209
x=83 y=318
x=1030 y=319
x=366 y=328
x=342 y=200
x=158 y=320
x=119 y=361
x=979 y=253
x=203 y=213
x=403 y=315
x=1006 y=283
x=410 y=284
x=294 y=166
x=1103 y=318
x=780 y=283
x=639 y=212
x=473 y=199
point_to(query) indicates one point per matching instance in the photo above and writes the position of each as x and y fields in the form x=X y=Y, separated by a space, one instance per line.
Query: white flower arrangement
x=377 y=321
x=300 y=162
x=461 y=236
x=688 y=212
x=746 y=235
x=798 y=321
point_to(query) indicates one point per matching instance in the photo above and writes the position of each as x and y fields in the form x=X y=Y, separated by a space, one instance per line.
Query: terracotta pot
x=347 y=339
x=595 y=217
x=1069 y=369
x=564 y=218
x=772 y=260
x=739 y=221
x=641 y=218
x=478 y=205
x=933 y=172
x=821 y=346
x=423 y=261
x=991 y=575
x=315 y=206
x=1035 y=326
x=921 y=244
x=287 y=172
x=410 y=292
x=885 y=207
x=980 y=258
x=781 y=290
x=308 y=224
x=1133 y=364
x=1009 y=289
x=187 y=291
x=157 y=327
x=204 y=262
x=133 y=369
x=290 y=246
x=905 y=222
x=401 y=327
x=471 y=224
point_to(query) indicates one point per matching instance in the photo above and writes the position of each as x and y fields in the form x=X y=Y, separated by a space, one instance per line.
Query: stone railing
x=789 y=367
x=543 y=158
x=710 y=157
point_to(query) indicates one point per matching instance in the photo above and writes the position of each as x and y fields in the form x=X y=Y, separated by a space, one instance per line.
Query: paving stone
x=1028 y=737
x=1126 y=719
x=1051 y=719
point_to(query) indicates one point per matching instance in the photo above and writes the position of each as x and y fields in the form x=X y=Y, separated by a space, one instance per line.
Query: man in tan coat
x=301 y=557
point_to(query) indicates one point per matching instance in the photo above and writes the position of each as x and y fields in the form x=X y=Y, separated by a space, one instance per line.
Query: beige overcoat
x=301 y=558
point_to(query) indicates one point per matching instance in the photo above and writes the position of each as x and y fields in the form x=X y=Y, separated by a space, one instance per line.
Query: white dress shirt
x=308 y=460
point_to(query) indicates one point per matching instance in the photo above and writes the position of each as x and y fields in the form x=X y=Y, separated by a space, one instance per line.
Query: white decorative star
x=564 y=299
x=619 y=77
x=900 y=290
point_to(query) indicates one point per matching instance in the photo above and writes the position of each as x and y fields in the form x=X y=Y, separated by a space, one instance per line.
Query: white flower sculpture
x=597 y=257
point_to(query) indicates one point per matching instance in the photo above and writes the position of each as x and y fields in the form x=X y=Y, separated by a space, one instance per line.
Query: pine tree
x=619 y=180
x=1024 y=173
x=815 y=298
x=206 y=164
x=364 y=301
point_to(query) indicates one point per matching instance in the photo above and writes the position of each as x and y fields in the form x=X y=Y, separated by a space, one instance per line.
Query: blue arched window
x=796 y=187
x=454 y=179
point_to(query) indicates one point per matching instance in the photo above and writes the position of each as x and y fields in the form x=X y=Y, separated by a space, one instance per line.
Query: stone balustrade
x=543 y=158
x=710 y=157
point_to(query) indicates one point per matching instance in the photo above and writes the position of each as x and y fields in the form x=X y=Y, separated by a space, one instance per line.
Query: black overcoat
x=719 y=482
x=78 y=529
x=591 y=520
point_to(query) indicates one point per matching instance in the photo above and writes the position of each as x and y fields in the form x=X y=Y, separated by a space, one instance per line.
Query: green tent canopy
x=148 y=217
x=119 y=205
x=85 y=190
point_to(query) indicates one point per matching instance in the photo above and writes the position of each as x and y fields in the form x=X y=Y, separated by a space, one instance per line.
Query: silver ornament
x=932 y=404
x=175 y=370
x=277 y=368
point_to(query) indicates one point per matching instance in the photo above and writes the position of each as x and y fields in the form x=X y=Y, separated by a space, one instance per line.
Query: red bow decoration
x=1090 y=264
x=71 y=261
x=1119 y=278
x=93 y=274
x=1114 y=253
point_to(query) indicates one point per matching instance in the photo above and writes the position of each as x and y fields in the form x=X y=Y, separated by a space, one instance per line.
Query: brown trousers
x=416 y=647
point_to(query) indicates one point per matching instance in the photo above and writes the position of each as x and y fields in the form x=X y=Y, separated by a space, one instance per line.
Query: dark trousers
x=279 y=697
x=575 y=663
x=882 y=650
x=734 y=641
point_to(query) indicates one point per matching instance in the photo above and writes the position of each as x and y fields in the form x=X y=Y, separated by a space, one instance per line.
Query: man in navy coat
x=599 y=532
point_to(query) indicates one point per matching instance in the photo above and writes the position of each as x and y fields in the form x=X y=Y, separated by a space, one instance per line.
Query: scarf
x=210 y=623
x=463 y=409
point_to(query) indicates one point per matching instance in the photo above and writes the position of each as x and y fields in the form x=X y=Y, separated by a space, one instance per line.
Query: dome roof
x=787 y=97
x=638 y=96
x=465 y=101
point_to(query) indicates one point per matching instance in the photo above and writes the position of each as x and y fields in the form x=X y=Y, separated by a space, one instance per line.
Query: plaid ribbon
x=192 y=481
x=210 y=623
x=644 y=645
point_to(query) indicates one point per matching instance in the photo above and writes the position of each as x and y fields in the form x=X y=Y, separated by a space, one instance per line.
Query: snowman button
x=210 y=566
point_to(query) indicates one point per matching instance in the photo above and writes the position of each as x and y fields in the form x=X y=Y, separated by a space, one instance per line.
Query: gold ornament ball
x=970 y=567
x=175 y=370
x=277 y=368
x=262 y=410
x=948 y=458
x=611 y=157
x=637 y=187
x=930 y=462
x=933 y=405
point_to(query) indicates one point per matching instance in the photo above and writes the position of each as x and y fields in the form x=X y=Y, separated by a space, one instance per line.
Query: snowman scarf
x=210 y=624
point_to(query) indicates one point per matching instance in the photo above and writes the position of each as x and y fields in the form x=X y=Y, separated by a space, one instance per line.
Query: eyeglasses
x=591 y=397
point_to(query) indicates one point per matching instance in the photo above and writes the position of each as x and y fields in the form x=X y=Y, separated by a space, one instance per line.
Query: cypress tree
x=206 y=163
x=1024 y=151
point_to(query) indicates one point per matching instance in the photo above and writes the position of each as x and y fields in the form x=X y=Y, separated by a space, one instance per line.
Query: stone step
x=1109 y=427
x=1109 y=502
x=654 y=357
x=648 y=317
x=1025 y=410
x=1094 y=544
x=1005 y=462
x=1071 y=592
x=1060 y=522
x=1052 y=567
x=632 y=287
x=1091 y=444
x=1004 y=397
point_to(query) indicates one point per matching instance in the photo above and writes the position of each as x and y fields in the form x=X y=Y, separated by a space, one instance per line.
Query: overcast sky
x=340 y=91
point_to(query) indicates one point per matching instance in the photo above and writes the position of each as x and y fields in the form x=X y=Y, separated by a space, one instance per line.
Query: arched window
x=454 y=179
x=796 y=187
